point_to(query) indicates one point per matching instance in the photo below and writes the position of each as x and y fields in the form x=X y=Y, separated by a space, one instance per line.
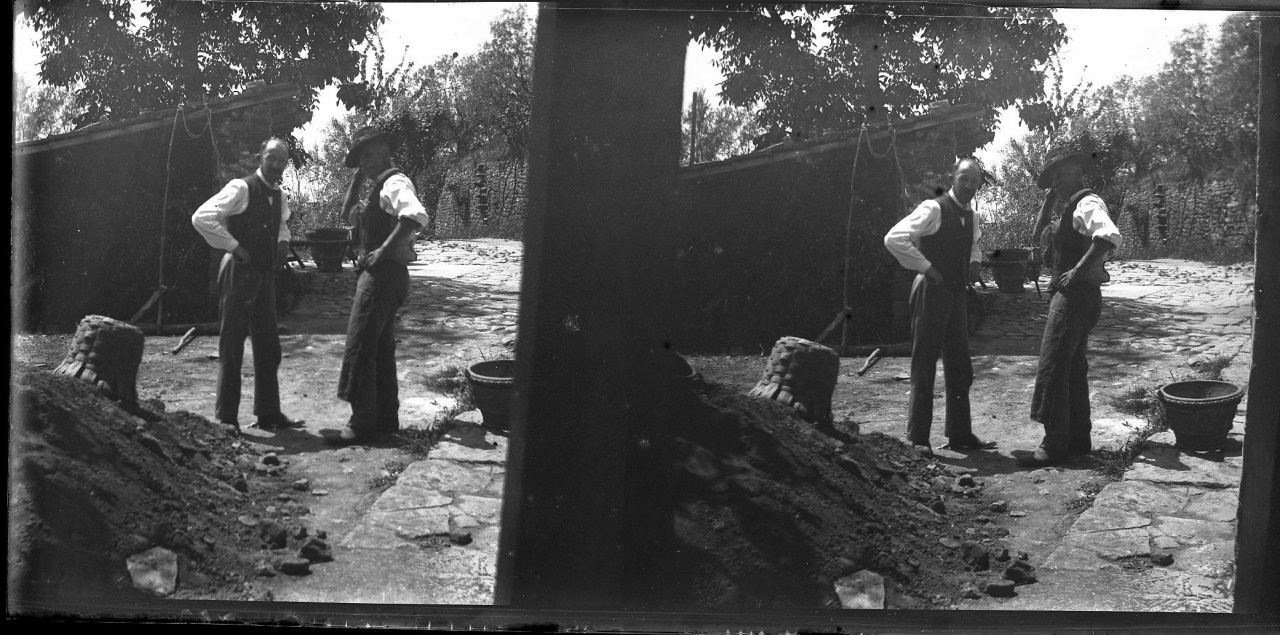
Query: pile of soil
x=92 y=484
x=773 y=510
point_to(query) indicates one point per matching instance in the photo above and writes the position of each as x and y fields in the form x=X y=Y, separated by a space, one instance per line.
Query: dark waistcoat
x=1069 y=245
x=376 y=224
x=257 y=229
x=949 y=248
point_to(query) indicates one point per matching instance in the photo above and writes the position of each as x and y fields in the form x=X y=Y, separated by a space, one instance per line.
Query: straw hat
x=1057 y=158
x=362 y=138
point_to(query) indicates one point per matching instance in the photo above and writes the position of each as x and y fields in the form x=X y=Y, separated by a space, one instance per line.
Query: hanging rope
x=892 y=148
x=164 y=206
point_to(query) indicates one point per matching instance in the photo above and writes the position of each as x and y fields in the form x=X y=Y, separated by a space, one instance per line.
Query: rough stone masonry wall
x=1214 y=217
x=483 y=197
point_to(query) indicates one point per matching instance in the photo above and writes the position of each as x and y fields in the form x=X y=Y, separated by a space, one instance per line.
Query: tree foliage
x=717 y=132
x=123 y=63
x=820 y=67
x=40 y=110
x=1196 y=117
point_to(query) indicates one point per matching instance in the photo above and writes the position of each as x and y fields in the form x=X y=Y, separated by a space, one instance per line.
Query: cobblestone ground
x=1160 y=319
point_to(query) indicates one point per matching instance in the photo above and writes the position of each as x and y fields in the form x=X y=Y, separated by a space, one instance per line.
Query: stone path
x=1173 y=503
x=432 y=536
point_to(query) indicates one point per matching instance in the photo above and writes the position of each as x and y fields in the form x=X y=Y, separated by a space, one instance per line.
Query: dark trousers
x=368 y=376
x=939 y=326
x=1061 y=397
x=247 y=307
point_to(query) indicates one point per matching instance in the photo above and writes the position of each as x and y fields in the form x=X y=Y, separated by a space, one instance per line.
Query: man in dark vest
x=1084 y=237
x=387 y=225
x=939 y=241
x=247 y=220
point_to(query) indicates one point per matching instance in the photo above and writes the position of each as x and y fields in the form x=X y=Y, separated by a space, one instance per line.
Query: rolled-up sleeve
x=400 y=199
x=902 y=237
x=1092 y=220
x=285 y=213
x=975 y=252
x=210 y=220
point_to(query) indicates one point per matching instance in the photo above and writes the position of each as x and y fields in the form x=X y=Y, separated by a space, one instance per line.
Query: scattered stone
x=949 y=542
x=460 y=537
x=154 y=571
x=999 y=507
x=298 y=533
x=270 y=458
x=275 y=470
x=247 y=520
x=302 y=485
x=862 y=590
x=940 y=483
x=971 y=592
x=1164 y=542
x=240 y=484
x=319 y=492
x=1162 y=559
x=284 y=497
x=316 y=550
x=295 y=566
x=265 y=569
x=1002 y=555
x=1019 y=572
x=1000 y=588
x=1017 y=514
x=966 y=480
x=322 y=534
x=975 y=555
x=273 y=534
x=272 y=510
x=244 y=462
x=938 y=506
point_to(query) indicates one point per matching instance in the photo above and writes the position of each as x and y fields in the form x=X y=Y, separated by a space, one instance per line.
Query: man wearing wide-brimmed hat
x=387 y=225
x=1084 y=237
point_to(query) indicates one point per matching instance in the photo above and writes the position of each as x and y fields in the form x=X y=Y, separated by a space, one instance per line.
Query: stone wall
x=1214 y=217
x=483 y=196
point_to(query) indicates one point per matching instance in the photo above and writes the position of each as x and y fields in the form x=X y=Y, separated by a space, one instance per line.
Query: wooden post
x=587 y=519
x=1257 y=542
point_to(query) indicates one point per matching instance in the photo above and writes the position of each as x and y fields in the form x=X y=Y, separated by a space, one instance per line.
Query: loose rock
x=316 y=550
x=1162 y=559
x=1000 y=588
x=295 y=566
x=154 y=571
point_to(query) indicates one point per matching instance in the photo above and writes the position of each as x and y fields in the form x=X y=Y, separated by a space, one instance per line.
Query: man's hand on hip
x=933 y=275
x=241 y=255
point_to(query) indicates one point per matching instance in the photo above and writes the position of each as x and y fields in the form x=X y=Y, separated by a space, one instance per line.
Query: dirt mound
x=92 y=484
x=773 y=510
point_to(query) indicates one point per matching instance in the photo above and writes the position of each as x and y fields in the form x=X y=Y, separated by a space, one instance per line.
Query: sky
x=1104 y=43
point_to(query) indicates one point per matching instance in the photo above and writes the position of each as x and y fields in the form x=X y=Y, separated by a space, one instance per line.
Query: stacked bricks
x=801 y=374
x=106 y=353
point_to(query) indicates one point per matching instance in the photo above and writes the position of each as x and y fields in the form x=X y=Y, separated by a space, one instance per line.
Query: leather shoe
x=230 y=427
x=972 y=442
x=278 y=422
x=923 y=449
x=1039 y=458
x=1081 y=448
x=343 y=438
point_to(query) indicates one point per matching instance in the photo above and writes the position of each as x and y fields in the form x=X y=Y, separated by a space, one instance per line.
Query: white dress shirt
x=400 y=199
x=903 y=239
x=1091 y=219
x=210 y=220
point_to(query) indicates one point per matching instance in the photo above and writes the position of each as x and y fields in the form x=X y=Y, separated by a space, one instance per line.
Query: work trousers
x=1061 y=397
x=247 y=307
x=368 y=376
x=939 y=326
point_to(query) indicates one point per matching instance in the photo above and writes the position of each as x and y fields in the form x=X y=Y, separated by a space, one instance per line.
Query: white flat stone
x=1195 y=532
x=1120 y=543
x=1104 y=519
x=1164 y=464
x=1142 y=497
x=1213 y=560
x=1215 y=505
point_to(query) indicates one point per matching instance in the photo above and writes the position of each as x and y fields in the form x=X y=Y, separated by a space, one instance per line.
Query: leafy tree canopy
x=812 y=68
x=174 y=52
